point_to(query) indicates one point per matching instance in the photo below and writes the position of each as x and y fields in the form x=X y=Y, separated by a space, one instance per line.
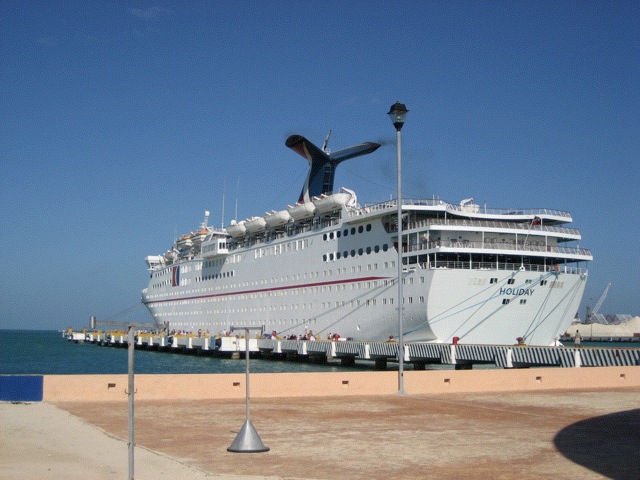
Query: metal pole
x=246 y=348
x=131 y=348
x=247 y=439
x=131 y=387
x=400 y=297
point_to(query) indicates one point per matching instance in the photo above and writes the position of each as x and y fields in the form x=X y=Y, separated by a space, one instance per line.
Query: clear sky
x=122 y=122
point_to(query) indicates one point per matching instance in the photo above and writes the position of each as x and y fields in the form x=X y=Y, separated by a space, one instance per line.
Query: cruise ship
x=327 y=264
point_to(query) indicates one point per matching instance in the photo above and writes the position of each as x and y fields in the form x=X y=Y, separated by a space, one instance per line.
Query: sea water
x=39 y=352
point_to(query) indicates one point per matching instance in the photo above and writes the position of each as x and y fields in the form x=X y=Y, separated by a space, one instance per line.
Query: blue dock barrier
x=21 y=388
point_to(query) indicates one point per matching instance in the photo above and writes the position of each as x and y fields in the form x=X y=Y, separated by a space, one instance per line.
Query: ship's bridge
x=216 y=244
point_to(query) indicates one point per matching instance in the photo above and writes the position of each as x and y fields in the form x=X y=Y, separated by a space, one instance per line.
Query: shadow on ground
x=608 y=445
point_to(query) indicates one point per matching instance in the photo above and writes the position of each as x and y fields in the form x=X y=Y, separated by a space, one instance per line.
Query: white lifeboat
x=328 y=203
x=300 y=211
x=171 y=256
x=277 y=219
x=236 y=229
x=199 y=236
x=185 y=241
x=255 y=224
x=154 y=261
x=467 y=206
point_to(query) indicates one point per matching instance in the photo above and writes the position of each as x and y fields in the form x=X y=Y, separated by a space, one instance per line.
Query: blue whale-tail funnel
x=322 y=165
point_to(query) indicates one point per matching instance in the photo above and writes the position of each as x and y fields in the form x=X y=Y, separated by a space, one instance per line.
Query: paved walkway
x=560 y=435
x=41 y=441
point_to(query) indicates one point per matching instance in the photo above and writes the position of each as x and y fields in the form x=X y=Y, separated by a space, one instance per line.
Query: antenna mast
x=326 y=142
x=222 y=220
x=237 y=188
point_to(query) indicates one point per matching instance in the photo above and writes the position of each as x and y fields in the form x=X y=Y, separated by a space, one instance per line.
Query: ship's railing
x=491 y=224
x=464 y=209
x=516 y=247
x=530 y=267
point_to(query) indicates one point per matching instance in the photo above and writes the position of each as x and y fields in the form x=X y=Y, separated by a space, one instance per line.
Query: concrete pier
x=418 y=355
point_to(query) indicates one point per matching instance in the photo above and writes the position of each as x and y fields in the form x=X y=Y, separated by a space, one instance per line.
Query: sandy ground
x=561 y=435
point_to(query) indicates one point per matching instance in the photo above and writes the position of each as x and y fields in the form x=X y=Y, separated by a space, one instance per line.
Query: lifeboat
x=236 y=229
x=171 y=256
x=154 y=261
x=328 y=203
x=467 y=206
x=277 y=219
x=255 y=224
x=300 y=211
x=199 y=236
x=184 y=242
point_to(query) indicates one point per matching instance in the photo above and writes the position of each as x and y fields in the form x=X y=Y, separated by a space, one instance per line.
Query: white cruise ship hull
x=294 y=284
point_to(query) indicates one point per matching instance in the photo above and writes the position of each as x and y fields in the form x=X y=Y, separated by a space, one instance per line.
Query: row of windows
x=218 y=262
x=346 y=231
x=510 y=281
x=215 y=276
x=184 y=281
x=506 y=301
x=223 y=325
x=168 y=271
x=372 y=302
x=329 y=257
x=281 y=248
x=371 y=284
x=214 y=263
x=271 y=281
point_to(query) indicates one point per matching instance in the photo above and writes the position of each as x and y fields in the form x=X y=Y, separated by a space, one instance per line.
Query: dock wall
x=99 y=388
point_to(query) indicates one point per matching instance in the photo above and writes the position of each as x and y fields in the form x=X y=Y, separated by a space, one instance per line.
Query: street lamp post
x=131 y=329
x=398 y=113
x=247 y=440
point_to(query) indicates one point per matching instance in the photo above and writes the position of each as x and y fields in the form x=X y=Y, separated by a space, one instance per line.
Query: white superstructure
x=328 y=264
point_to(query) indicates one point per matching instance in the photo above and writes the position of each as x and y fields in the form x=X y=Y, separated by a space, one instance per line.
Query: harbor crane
x=591 y=313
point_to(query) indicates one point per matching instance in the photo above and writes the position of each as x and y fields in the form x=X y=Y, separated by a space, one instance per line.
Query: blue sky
x=122 y=122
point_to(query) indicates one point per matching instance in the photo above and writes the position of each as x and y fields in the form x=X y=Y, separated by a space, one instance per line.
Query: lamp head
x=398 y=113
